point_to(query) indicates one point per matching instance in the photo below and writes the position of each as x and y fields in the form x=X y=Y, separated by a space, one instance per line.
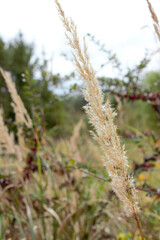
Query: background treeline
x=53 y=185
x=35 y=85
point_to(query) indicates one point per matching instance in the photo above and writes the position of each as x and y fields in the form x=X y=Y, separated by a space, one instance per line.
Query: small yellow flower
x=122 y=236
x=143 y=177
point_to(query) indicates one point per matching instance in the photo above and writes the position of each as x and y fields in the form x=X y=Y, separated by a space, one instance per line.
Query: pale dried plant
x=73 y=142
x=19 y=154
x=21 y=140
x=155 y=19
x=121 y=112
x=6 y=139
x=21 y=114
x=101 y=116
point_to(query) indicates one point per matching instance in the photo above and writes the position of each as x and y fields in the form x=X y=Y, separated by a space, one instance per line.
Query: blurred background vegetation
x=28 y=71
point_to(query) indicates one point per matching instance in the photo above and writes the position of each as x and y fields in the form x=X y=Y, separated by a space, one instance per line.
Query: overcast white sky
x=117 y=23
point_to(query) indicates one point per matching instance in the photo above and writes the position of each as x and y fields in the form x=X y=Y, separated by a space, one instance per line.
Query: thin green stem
x=41 y=187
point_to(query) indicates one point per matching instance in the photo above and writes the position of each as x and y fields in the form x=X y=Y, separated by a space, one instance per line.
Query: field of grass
x=60 y=183
x=62 y=191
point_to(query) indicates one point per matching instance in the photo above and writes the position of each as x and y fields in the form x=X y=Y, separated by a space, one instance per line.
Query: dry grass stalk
x=101 y=116
x=18 y=106
x=155 y=19
x=6 y=140
x=21 y=114
x=72 y=144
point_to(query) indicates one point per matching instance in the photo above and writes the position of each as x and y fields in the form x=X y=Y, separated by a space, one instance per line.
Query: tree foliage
x=19 y=59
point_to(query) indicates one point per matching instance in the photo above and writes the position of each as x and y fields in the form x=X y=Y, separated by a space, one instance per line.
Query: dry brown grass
x=20 y=111
x=21 y=114
x=6 y=139
x=73 y=141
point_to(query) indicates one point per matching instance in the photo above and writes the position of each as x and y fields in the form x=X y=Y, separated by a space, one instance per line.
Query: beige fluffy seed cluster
x=101 y=116
x=18 y=106
x=155 y=20
x=6 y=139
x=21 y=114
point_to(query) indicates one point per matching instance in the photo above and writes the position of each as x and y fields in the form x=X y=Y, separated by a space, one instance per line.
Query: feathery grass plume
x=6 y=140
x=101 y=116
x=21 y=114
x=18 y=106
x=155 y=19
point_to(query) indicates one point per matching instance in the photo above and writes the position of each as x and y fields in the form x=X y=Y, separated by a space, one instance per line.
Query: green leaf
x=136 y=131
x=72 y=161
